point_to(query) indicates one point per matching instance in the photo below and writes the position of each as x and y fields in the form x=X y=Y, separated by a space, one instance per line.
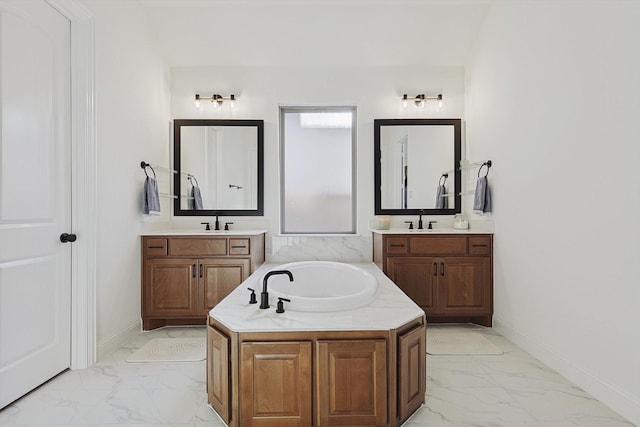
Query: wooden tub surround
x=363 y=366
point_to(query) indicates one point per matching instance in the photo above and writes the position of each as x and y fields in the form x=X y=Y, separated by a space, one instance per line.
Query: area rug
x=171 y=350
x=459 y=343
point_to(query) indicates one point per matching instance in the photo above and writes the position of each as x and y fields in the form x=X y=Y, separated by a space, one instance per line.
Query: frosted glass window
x=317 y=148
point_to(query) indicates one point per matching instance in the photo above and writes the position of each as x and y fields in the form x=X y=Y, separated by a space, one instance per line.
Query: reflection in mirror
x=219 y=166
x=416 y=166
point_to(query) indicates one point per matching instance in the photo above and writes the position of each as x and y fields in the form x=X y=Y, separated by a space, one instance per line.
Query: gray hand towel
x=151 y=205
x=482 y=197
x=441 y=202
x=196 y=198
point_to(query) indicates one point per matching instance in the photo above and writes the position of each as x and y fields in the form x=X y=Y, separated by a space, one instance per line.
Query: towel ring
x=488 y=165
x=445 y=176
x=191 y=177
x=144 y=167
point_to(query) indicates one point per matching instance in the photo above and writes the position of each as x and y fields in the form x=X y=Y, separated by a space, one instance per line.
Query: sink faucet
x=420 y=221
x=264 y=296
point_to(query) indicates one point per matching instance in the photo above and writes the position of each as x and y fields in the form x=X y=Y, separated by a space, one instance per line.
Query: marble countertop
x=204 y=233
x=434 y=231
x=390 y=309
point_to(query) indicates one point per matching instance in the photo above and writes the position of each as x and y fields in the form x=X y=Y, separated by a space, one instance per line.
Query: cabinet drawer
x=480 y=245
x=197 y=247
x=239 y=247
x=438 y=245
x=155 y=247
x=397 y=246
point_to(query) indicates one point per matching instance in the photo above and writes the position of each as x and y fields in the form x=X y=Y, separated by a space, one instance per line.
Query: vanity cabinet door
x=351 y=382
x=276 y=379
x=217 y=278
x=218 y=368
x=464 y=287
x=416 y=276
x=170 y=287
x=412 y=359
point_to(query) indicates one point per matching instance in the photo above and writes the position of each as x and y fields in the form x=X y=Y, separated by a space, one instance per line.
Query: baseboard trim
x=611 y=396
x=114 y=342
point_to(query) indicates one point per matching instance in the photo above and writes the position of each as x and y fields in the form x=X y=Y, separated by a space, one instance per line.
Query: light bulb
x=232 y=101
x=197 y=101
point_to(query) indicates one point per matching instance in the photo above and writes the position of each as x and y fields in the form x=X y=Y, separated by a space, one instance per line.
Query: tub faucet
x=264 y=296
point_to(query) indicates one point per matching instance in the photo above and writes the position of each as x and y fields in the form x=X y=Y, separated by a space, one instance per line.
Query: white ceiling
x=316 y=32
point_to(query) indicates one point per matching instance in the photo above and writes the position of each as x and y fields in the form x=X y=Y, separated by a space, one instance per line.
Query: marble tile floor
x=512 y=389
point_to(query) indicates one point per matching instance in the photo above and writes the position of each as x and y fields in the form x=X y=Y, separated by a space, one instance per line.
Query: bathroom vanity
x=449 y=274
x=184 y=275
x=363 y=366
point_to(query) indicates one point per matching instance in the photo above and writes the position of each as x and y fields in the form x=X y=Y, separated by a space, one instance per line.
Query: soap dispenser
x=460 y=222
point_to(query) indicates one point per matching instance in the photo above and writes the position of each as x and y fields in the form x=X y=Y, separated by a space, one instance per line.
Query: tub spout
x=264 y=296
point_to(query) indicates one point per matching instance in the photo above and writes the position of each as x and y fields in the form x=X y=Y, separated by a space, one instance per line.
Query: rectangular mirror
x=220 y=167
x=417 y=166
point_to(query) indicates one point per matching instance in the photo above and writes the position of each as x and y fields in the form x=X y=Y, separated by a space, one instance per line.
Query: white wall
x=553 y=98
x=375 y=91
x=132 y=125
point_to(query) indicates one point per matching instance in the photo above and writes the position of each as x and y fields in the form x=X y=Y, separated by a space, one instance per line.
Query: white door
x=35 y=196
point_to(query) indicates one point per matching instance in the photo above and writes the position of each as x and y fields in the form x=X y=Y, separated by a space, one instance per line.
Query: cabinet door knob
x=201 y=269
x=435 y=268
x=193 y=271
x=442 y=267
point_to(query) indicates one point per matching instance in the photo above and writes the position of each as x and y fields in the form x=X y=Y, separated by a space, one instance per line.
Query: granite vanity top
x=390 y=309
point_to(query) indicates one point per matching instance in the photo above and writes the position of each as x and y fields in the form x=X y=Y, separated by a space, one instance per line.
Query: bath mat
x=171 y=350
x=459 y=343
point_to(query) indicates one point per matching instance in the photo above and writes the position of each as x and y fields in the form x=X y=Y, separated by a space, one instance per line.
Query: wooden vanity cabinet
x=449 y=276
x=183 y=277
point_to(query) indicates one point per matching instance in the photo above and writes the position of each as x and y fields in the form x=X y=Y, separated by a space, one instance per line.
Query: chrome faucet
x=264 y=296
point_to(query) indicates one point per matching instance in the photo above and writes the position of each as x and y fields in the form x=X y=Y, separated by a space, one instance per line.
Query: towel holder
x=190 y=178
x=144 y=165
x=445 y=176
x=488 y=165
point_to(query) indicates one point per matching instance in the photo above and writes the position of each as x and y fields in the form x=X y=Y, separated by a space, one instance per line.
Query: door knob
x=67 y=237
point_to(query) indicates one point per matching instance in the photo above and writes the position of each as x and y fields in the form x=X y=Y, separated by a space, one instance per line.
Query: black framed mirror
x=416 y=166
x=219 y=167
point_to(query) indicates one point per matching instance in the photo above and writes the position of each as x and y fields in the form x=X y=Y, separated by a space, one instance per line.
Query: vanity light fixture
x=421 y=99
x=216 y=100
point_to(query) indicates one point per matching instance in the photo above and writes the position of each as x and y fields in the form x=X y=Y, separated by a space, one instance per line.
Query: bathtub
x=321 y=286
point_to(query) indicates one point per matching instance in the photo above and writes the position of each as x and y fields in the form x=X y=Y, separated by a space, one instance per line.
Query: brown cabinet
x=184 y=277
x=275 y=379
x=449 y=276
x=218 y=382
x=316 y=378
x=352 y=382
x=411 y=368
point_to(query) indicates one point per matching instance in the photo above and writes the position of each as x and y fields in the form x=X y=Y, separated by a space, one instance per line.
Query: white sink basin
x=322 y=286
